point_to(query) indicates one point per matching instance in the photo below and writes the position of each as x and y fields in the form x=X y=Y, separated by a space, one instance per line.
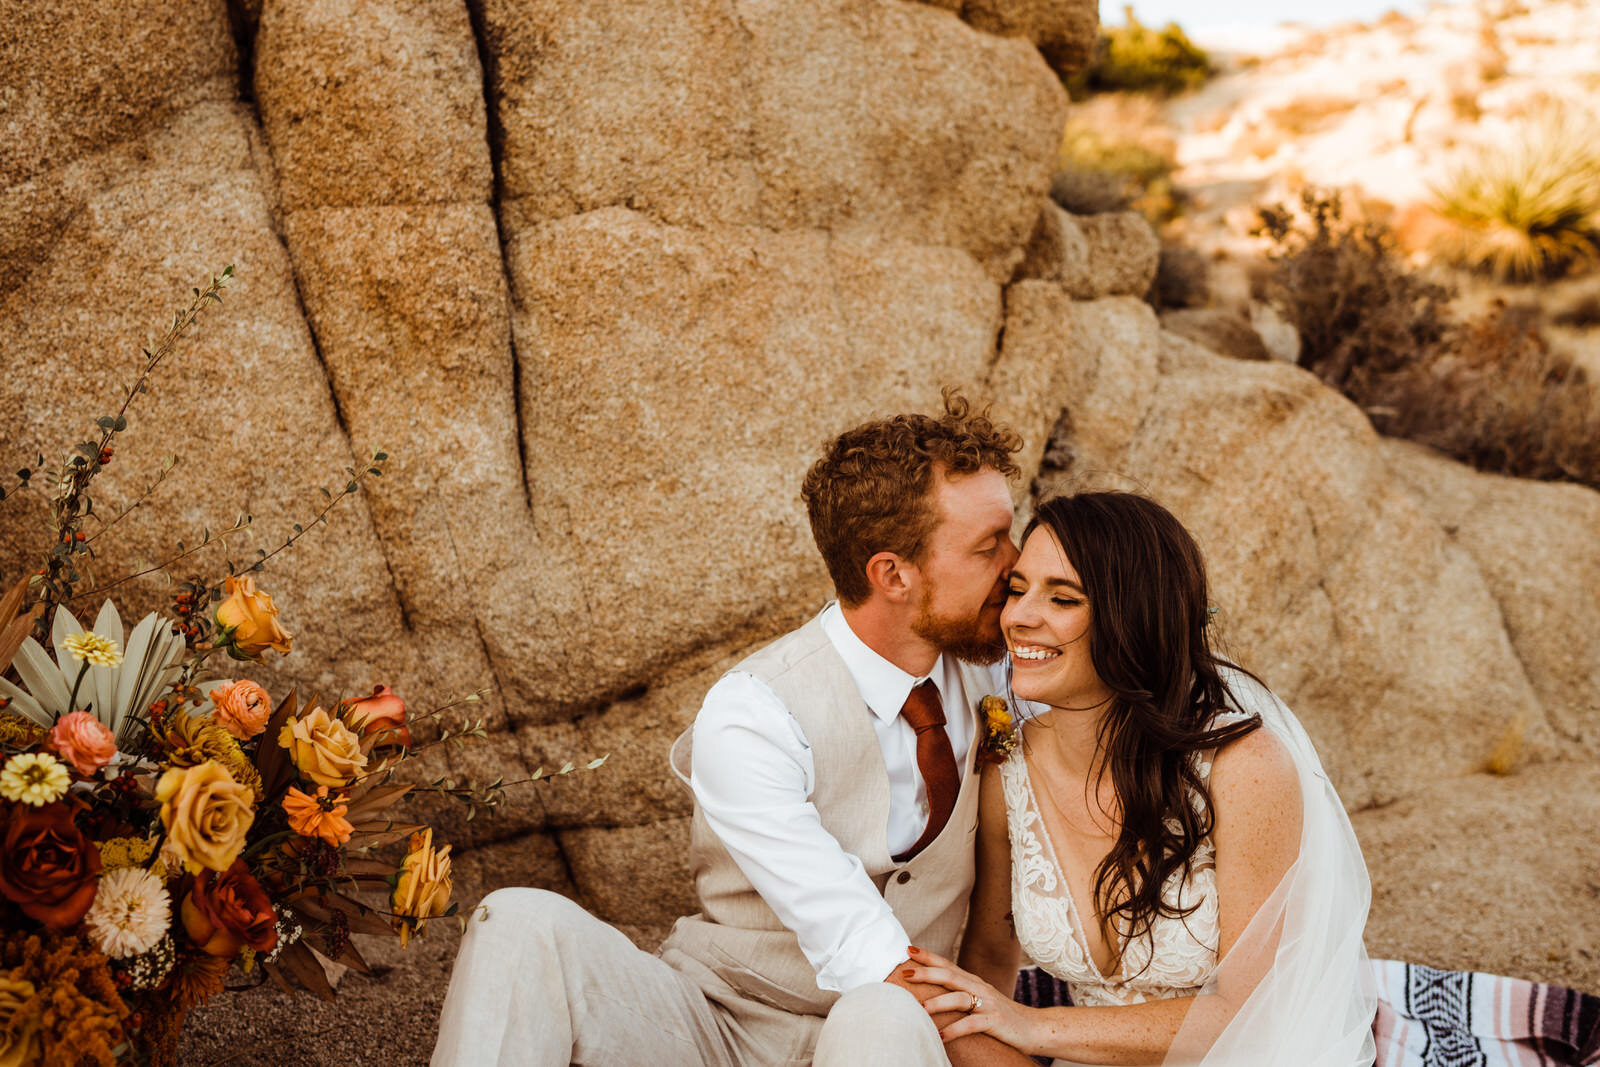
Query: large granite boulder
x=601 y=278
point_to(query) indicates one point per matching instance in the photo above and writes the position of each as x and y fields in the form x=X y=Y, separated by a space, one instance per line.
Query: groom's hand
x=974 y=1050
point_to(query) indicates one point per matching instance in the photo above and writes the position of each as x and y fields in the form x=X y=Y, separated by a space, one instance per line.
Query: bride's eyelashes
x=1058 y=601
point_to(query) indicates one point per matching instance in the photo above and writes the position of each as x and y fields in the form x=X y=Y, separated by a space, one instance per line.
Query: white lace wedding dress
x=1175 y=961
x=1296 y=978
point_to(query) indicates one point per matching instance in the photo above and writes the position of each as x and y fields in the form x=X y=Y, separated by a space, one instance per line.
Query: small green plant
x=1134 y=57
x=1129 y=169
x=1528 y=212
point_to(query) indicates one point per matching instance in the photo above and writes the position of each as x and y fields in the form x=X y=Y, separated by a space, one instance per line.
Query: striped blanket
x=1432 y=1018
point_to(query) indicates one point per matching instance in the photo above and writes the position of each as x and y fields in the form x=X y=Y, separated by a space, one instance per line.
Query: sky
x=1252 y=13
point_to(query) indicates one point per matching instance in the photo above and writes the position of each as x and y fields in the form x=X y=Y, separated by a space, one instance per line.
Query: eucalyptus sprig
x=207 y=539
x=167 y=467
x=474 y=794
x=72 y=504
x=373 y=468
x=23 y=478
x=490 y=795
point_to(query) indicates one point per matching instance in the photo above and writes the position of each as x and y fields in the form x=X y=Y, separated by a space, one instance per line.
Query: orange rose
x=242 y=708
x=229 y=911
x=48 y=867
x=323 y=748
x=381 y=713
x=83 y=741
x=247 y=621
x=318 y=816
x=422 y=890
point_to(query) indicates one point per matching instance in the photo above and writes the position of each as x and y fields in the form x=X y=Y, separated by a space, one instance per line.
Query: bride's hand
x=985 y=1009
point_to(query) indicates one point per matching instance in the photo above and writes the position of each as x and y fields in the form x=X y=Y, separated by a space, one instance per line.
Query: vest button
x=903 y=877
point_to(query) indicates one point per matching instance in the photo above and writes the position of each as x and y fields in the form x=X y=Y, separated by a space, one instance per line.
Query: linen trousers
x=539 y=982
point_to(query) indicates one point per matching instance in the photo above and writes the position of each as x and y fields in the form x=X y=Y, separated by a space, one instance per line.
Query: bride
x=1163 y=839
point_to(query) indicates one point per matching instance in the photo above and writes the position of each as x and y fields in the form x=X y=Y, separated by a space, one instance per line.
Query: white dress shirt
x=752 y=775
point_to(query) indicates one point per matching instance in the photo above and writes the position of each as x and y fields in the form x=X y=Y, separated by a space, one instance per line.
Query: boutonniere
x=999 y=731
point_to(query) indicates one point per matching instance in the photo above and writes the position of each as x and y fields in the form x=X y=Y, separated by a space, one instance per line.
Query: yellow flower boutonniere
x=999 y=731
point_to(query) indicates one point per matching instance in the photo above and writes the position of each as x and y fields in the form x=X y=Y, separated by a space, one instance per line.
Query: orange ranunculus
x=83 y=741
x=382 y=713
x=206 y=814
x=318 y=816
x=323 y=748
x=48 y=867
x=247 y=621
x=422 y=890
x=223 y=913
x=242 y=708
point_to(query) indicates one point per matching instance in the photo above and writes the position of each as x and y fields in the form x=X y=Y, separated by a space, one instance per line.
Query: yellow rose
x=19 y=1033
x=206 y=814
x=323 y=748
x=247 y=621
x=423 y=889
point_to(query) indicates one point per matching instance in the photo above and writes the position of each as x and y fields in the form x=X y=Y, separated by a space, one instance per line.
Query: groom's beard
x=972 y=639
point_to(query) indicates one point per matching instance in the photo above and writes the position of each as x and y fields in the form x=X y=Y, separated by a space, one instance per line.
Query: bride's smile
x=1047 y=624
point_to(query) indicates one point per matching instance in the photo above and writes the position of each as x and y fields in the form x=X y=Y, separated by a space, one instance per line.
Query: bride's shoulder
x=1255 y=769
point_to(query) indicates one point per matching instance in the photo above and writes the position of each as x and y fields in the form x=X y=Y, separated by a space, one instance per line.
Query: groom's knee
x=878 y=1023
x=528 y=917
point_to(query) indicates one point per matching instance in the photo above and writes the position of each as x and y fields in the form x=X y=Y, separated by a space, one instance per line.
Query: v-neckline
x=1066 y=885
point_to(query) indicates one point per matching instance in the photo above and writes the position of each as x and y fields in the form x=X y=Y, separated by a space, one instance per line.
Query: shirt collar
x=882 y=685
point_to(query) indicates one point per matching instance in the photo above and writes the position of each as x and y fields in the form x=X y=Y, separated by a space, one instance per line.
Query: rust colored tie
x=935 y=759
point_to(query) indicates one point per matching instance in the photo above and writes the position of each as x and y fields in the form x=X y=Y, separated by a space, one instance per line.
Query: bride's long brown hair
x=1150 y=644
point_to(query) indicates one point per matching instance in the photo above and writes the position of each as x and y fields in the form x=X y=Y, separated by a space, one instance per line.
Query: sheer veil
x=1295 y=988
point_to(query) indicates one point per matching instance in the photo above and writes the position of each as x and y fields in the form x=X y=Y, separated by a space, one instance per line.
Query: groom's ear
x=892 y=577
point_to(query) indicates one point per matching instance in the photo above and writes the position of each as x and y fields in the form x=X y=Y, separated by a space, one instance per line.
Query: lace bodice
x=1175 y=960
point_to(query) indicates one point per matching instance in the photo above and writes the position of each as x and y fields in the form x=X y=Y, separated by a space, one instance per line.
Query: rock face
x=602 y=278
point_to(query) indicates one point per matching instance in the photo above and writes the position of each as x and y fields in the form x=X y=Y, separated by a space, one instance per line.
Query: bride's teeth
x=1035 y=653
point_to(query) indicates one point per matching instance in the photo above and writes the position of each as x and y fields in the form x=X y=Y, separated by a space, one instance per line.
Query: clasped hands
x=984 y=1008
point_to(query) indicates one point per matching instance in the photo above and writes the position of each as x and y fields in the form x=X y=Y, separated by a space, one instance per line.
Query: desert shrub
x=1099 y=171
x=1530 y=210
x=1514 y=404
x=1360 y=312
x=1134 y=57
x=1491 y=392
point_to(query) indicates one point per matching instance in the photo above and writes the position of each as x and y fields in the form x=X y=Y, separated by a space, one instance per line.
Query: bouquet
x=164 y=823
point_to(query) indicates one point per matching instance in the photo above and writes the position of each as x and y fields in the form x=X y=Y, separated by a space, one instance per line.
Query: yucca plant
x=1529 y=211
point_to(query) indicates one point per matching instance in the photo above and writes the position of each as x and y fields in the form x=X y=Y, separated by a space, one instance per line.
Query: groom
x=835 y=796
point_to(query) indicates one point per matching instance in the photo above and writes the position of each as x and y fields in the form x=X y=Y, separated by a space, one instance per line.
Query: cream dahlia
x=130 y=914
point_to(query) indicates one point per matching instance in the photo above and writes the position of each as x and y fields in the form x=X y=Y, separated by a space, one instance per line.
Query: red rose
x=381 y=713
x=47 y=866
x=229 y=911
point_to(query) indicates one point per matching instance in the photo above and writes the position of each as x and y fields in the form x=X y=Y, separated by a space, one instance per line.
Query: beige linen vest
x=736 y=935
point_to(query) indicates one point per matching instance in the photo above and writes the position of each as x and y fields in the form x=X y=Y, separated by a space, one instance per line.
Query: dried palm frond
x=150 y=664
